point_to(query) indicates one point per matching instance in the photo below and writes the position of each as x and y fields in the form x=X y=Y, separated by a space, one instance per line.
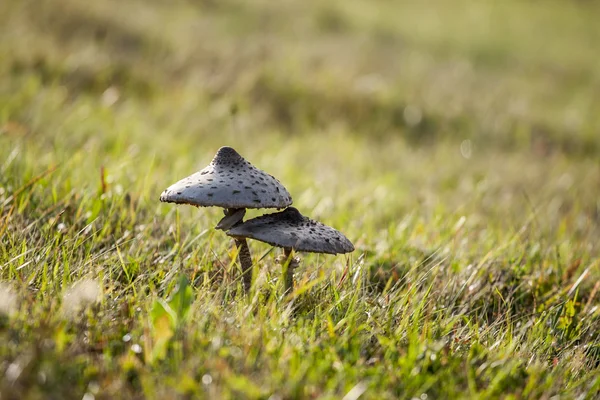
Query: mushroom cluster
x=234 y=184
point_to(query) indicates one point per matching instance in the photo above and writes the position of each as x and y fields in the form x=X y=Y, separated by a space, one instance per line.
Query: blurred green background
x=468 y=130
x=420 y=96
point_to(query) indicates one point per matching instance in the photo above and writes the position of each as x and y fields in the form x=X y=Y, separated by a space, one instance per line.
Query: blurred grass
x=455 y=143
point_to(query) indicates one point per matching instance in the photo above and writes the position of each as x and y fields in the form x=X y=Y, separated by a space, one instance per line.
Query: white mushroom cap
x=229 y=181
x=290 y=229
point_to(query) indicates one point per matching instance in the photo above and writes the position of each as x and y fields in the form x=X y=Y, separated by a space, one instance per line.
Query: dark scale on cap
x=225 y=155
x=290 y=229
x=233 y=183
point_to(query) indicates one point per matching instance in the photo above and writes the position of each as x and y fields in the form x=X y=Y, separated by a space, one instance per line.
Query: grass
x=454 y=143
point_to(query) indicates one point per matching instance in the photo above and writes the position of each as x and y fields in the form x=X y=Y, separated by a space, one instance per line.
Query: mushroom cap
x=229 y=181
x=290 y=229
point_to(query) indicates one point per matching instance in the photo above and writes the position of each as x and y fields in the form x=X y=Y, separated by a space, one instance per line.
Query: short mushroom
x=293 y=231
x=231 y=182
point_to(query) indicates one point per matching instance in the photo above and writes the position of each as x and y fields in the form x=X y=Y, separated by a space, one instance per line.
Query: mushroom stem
x=245 y=261
x=244 y=256
x=292 y=263
x=233 y=217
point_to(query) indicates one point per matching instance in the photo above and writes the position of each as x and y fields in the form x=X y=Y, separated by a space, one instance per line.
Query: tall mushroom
x=293 y=231
x=231 y=182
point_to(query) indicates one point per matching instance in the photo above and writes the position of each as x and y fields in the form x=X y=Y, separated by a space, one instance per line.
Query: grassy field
x=456 y=143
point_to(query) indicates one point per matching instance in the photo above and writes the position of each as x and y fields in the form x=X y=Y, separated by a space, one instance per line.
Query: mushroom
x=231 y=182
x=294 y=232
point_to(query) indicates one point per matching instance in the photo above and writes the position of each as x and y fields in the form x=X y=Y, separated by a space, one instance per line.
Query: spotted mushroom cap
x=229 y=181
x=290 y=229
